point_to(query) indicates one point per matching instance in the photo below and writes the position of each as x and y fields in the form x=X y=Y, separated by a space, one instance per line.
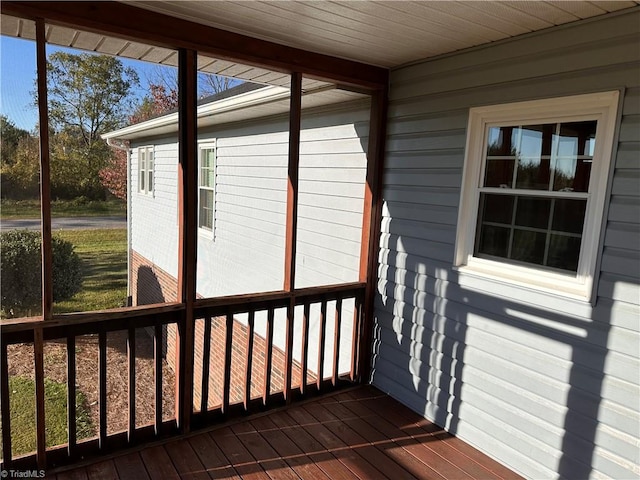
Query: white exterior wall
x=154 y=217
x=245 y=253
x=547 y=385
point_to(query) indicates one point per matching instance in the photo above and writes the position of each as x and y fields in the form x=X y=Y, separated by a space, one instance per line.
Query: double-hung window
x=533 y=191
x=145 y=170
x=206 y=186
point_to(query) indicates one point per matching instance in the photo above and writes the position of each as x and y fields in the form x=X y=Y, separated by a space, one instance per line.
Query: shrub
x=20 y=264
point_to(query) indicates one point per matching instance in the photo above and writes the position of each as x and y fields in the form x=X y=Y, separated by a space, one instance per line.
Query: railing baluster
x=336 y=342
x=268 y=357
x=227 y=363
x=305 y=349
x=5 y=408
x=355 y=336
x=157 y=370
x=288 y=351
x=206 y=359
x=38 y=354
x=249 y=363
x=131 y=360
x=102 y=388
x=71 y=393
x=323 y=321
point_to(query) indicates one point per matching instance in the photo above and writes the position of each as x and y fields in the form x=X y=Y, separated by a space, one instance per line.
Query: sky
x=17 y=79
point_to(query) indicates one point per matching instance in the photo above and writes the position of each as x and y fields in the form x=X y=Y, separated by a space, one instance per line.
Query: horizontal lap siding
x=245 y=253
x=157 y=212
x=532 y=379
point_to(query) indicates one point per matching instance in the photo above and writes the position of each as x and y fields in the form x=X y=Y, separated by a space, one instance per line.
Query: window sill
x=527 y=280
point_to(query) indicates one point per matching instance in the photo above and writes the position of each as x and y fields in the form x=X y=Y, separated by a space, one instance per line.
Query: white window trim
x=598 y=106
x=146 y=190
x=205 y=145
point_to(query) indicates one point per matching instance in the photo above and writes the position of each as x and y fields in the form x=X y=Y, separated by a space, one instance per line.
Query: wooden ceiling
x=383 y=33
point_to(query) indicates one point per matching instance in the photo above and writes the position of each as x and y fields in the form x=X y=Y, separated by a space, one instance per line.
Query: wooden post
x=45 y=180
x=292 y=184
x=187 y=184
x=371 y=218
x=47 y=262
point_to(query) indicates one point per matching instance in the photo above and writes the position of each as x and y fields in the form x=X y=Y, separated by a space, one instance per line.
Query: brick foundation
x=151 y=284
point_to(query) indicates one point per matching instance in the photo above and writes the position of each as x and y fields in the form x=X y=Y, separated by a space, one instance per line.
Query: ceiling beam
x=136 y=24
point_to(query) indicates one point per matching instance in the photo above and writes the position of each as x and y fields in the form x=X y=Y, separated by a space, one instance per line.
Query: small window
x=145 y=170
x=206 y=187
x=533 y=191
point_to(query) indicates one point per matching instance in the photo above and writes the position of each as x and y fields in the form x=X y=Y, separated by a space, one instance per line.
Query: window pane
x=150 y=184
x=142 y=180
x=499 y=173
x=528 y=246
x=564 y=252
x=533 y=212
x=572 y=175
x=576 y=143
x=536 y=140
x=534 y=157
x=493 y=241
x=502 y=141
x=577 y=138
x=206 y=208
x=568 y=215
x=496 y=208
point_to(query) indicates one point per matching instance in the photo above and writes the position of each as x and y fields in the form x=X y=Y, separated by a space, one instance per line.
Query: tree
x=21 y=176
x=88 y=96
x=159 y=101
x=208 y=83
x=10 y=137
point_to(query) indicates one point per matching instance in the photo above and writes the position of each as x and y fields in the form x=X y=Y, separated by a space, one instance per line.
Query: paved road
x=66 y=223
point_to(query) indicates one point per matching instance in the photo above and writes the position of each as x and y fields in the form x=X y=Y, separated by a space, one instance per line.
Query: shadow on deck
x=356 y=434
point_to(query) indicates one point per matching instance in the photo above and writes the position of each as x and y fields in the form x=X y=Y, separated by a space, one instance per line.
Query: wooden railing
x=243 y=388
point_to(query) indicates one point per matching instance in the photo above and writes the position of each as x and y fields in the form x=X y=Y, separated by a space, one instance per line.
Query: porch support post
x=371 y=218
x=187 y=184
x=47 y=261
x=292 y=221
x=45 y=180
x=292 y=184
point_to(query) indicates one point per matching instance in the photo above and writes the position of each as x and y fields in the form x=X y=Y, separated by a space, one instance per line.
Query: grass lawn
x=104 y=261
x=13 y=209
x=23 y=424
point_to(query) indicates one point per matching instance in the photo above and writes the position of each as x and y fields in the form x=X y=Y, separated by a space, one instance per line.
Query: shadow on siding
x=420 y=337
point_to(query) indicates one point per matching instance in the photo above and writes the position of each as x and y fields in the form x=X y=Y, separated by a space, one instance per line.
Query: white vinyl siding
x=157 y=213
x=250 y=213
x=545 y=384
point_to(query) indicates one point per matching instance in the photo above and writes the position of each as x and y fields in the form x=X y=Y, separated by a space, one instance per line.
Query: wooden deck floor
x=357 y=434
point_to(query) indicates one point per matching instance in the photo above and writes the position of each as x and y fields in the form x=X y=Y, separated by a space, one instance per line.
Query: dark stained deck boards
x=105 y=470
x=301 y=464
x=327 y=462
x=212 y=458
x=356 y=434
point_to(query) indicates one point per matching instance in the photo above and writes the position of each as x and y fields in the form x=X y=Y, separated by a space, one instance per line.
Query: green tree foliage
x=158 y=102
x=10 y=137
x=88 y=96
x=19 y=165
x=21 y=175
x=20 y=263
